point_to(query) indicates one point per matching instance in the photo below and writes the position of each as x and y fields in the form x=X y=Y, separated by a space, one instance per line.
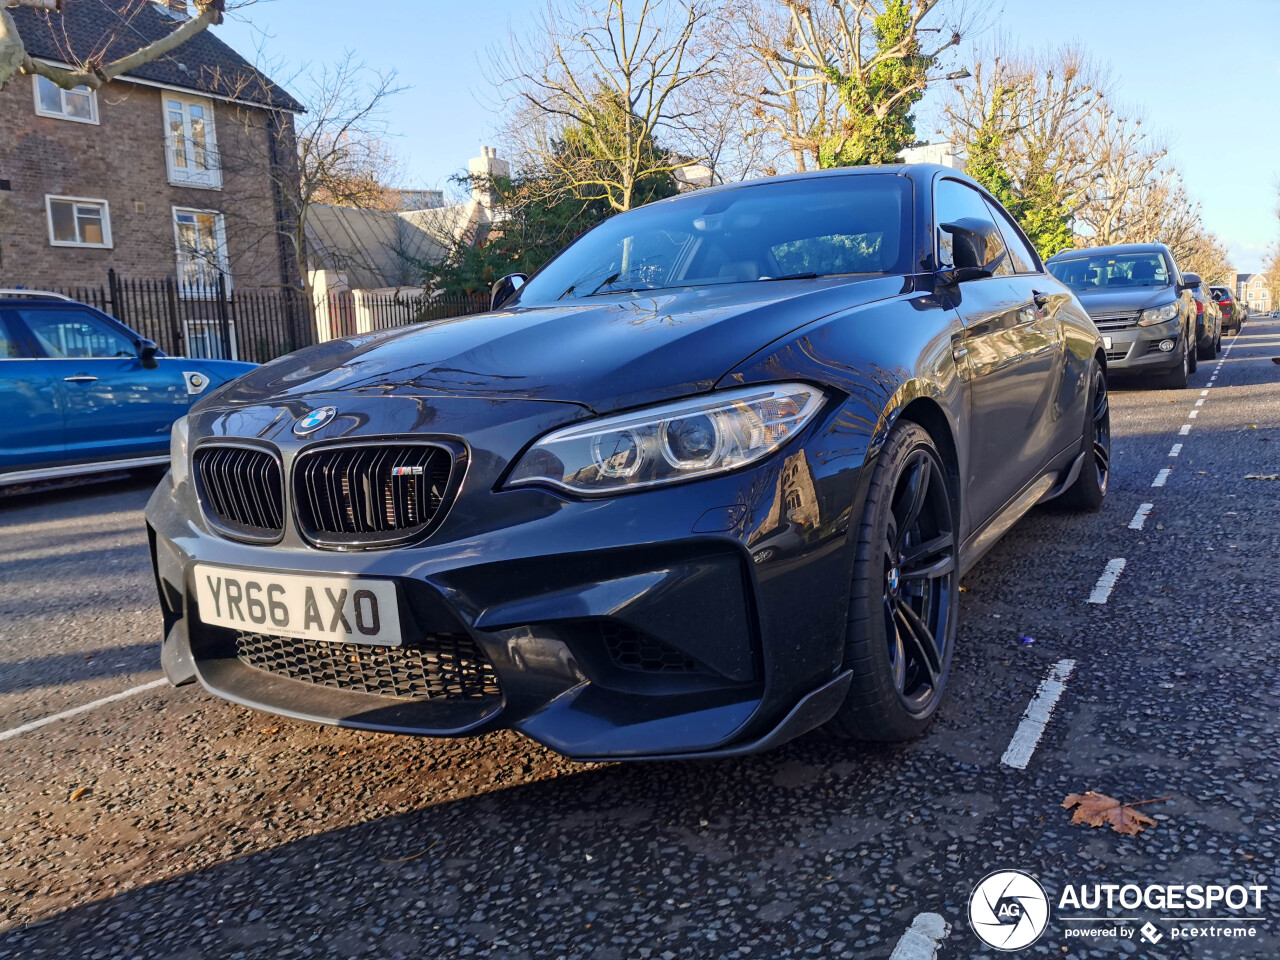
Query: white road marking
x=1161 y=477
x=1184 y=430
x=1193 y=414
x=1140 y=517
x=76 y=711
x=1175 y=450
x=922 y=939
x=1200 y=403
x=1039 y=710
x=1107 y=582
x=1204 y=393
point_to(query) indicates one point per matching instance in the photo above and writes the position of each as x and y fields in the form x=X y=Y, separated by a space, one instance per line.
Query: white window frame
x=211 y=179
x=185 y=290
x=42 y=112
x=107 y=241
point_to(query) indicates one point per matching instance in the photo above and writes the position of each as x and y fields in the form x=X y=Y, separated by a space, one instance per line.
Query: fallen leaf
x=1262 y=476
x=270 y=731
x=1097 y=809
x=79 y=792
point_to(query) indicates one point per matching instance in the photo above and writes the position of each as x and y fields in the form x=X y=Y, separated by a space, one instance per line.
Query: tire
x=1209 y=352
x=1090 y=489
x=901 y=627
x=1177 y=378
x=1194 y=358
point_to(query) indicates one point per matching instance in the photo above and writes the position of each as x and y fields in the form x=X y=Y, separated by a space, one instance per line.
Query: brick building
x=171 y=172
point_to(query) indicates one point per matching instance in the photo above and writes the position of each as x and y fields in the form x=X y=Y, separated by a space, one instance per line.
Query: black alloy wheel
x=1090 y=488
x=1177 y=378
x=903 y=610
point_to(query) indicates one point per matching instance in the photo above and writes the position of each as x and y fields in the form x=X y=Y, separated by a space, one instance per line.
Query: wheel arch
x=928 y=412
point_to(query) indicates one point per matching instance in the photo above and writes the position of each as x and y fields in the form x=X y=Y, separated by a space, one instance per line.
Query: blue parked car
x=82 y=393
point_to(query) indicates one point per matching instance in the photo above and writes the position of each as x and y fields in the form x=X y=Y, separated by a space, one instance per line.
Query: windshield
x=801 y=228
x=1112 y=271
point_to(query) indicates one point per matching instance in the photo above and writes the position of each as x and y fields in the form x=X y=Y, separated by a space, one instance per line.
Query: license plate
x=331 y=609
x=1106 y=343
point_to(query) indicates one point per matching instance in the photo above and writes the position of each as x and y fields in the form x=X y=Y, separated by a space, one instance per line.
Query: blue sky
x=1209 y=88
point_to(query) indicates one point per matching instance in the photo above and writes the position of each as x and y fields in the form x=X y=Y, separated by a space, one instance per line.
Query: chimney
x=483 y=170
x=178 y=8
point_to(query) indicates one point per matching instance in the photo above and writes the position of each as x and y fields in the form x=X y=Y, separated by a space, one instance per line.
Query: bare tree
x=598 y=93
x=840 y=77
x=91 y=71
x=337 y=152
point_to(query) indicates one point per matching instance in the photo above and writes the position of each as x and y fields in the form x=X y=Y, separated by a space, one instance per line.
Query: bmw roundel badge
x=314 y=420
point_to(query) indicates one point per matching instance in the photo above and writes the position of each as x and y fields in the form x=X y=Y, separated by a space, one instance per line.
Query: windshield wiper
x=794 y=276
x=605 y=284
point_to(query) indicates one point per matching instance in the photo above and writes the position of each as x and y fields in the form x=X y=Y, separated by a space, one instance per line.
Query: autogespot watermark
x=1010 y=910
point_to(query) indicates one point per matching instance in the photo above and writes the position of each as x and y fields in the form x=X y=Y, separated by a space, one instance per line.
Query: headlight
x=676 y=441
x=1159 y=314
x=179 y=462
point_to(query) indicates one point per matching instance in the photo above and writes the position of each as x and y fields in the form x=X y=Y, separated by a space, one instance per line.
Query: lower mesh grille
x=632 y=650
x=1117 y=354
x=447 y=667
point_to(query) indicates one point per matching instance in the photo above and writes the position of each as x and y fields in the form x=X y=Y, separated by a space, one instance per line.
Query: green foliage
x=541 y=211
x=1047 y=222
x=872 y=130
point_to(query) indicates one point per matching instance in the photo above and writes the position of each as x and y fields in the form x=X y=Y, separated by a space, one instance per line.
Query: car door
x=113 y=405
x=31 y=431
x=1042 y=349
x=992 y=352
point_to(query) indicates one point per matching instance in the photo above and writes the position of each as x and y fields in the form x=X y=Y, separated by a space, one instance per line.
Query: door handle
x=81 y=378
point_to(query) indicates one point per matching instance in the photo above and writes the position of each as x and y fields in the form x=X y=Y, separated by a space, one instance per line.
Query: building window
x=202 y=252
x=191 y=143
x=78 y=222
x=80 y=104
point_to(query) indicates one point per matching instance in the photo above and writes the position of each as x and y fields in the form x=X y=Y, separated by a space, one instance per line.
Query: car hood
x=605 y=354
x=1101 y=303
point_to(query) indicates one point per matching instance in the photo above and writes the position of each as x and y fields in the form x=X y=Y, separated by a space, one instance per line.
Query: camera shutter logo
x=314 y=420
x=1008 y=910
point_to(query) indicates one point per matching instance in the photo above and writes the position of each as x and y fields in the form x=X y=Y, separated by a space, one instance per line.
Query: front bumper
x=749 y=641
x=1136 y=349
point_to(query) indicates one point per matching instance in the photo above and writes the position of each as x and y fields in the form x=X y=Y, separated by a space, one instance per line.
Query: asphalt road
x=168 y=824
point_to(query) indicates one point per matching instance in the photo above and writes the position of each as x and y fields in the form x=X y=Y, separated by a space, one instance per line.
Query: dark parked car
x=1142 y=305
x=1208 y=323
x=82 y=393
x=1232 y=312
x=707 y=481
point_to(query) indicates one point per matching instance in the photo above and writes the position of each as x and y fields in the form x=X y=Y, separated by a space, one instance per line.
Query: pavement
x=166 y=823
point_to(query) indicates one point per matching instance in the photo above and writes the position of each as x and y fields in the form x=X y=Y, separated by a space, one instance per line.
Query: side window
x=1024 y=258
x=10 y=349
x=952 y=201
x=69 y=333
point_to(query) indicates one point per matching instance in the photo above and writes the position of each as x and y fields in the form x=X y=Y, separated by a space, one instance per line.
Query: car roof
x=916 y=171
x=1083 y=252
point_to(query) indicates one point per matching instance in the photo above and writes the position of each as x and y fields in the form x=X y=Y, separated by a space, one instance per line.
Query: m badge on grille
x=408 y=471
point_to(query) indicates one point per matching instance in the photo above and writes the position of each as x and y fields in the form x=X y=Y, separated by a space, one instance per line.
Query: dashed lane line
x=1039 y=710
x=76 y=711
x=1140 y=517
x=1107 y=582
x=1161 y=478
x=1200 y=402
x=1175 y=450
x=922 y=939
x=1184 y=430
x=1193 y=414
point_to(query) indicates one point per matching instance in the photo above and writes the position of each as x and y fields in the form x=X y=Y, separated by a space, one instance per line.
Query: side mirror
x=147 y=351
x=505 y=289
x=976 y=249
x=1190 y=281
